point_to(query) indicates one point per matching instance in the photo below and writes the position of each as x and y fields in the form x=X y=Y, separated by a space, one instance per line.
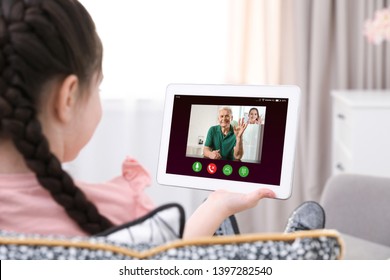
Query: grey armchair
x=358 y=205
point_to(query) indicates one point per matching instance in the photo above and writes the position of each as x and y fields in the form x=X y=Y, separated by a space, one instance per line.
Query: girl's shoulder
x=18 y=180
x=133 y=178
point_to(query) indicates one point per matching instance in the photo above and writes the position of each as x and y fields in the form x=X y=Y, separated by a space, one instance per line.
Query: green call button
x=227 y=170
x=243 y=171
x=197 y=166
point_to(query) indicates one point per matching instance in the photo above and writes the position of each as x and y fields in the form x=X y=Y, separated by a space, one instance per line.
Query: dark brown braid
x=43 y=40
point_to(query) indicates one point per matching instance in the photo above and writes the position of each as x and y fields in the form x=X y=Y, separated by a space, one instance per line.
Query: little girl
x=51 y=69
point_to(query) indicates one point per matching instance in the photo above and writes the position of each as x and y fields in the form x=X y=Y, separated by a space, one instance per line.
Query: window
x=151 y=43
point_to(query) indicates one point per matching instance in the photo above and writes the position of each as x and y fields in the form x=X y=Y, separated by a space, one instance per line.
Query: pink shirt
x=27 y=207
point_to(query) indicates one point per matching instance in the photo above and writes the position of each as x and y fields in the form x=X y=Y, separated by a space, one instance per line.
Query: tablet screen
x=196 y=125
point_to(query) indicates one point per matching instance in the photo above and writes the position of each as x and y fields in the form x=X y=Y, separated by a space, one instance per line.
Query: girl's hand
x=230 y=203
x=220 y=205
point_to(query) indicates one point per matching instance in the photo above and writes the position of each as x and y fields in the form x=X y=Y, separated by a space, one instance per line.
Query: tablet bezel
x=282 y=191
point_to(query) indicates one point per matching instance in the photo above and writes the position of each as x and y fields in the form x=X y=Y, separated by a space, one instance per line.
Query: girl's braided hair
x=40 y=41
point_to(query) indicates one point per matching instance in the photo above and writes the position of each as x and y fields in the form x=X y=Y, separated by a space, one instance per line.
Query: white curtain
x=319 y=46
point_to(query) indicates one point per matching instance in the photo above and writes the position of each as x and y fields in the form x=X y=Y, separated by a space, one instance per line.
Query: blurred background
x=321 y=46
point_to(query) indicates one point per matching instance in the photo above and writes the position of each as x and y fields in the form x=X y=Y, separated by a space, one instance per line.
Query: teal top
x=217 y=141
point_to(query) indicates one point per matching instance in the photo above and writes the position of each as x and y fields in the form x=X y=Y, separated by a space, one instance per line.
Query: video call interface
x=198 y=122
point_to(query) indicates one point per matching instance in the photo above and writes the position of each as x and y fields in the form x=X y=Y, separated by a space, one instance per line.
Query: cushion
x=163 y=224
x=305 y=245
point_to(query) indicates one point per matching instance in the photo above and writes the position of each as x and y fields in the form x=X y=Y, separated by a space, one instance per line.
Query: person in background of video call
x=254 y=117
x=224 y=141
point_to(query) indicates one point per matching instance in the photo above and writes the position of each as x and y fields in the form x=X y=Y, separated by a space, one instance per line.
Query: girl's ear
x=65 y=100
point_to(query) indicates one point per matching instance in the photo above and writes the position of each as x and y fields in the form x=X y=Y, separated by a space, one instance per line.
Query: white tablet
x=199 y=117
